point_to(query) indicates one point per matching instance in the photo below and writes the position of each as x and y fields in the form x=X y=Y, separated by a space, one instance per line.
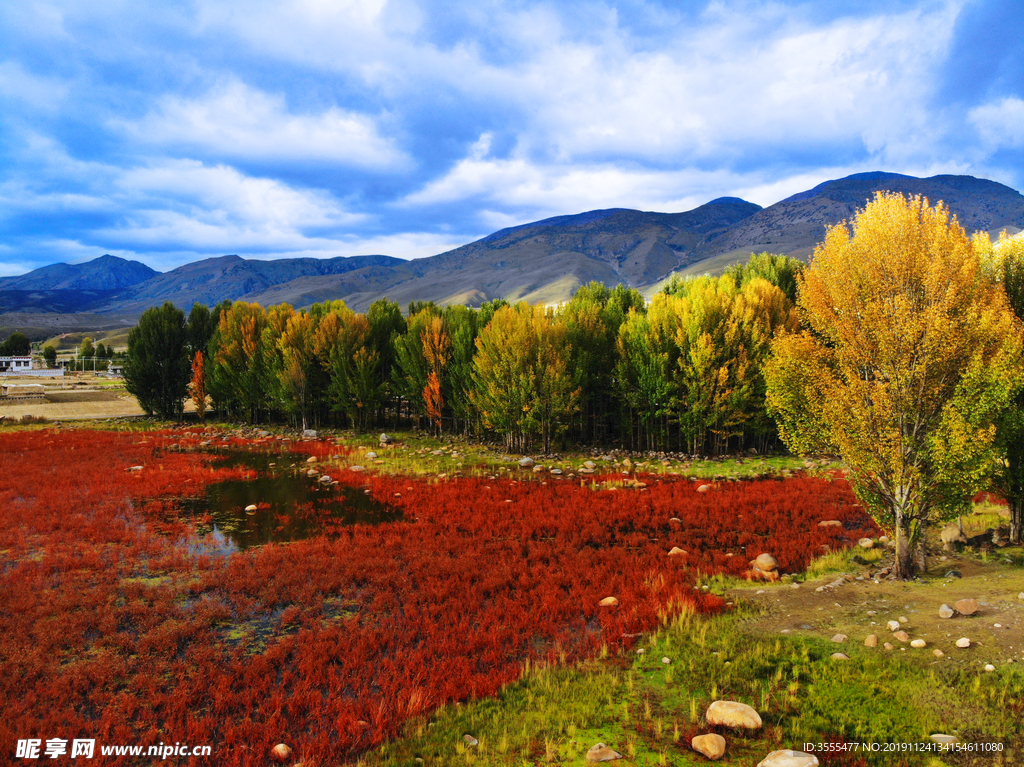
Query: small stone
x=989 y=667
x=902 y=636
x=599 y=752
x=919 y=643
x=311 y=459
x=893 y=625
x=281 y=752
x=871 y=641
x=251 y=507
x=997 y=625
x=883 y=539
x=866 y=543
x=830 y=523
x=675 y=551
x=963 y=642
x=887 y=646
x=729 y=713
x=371 y=456
x=711 y=745
x=954 y=574
x=666 y=661
x=938 y=653
x=904 y=619
x=1020 y=595
x=526 y=462
x=470 y=740
x=356 y=468
x=385 y=439
x=839 y=638
x=840 y=656
x=946 y=611
x=966 y=606
x=703 y=488
x=944 y=740
x=609 y=602
x=788 y=758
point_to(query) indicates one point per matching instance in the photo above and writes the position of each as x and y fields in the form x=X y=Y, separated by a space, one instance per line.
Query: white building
x=15 y=364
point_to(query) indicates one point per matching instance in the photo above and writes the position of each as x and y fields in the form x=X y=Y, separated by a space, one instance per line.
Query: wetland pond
x=289 y=504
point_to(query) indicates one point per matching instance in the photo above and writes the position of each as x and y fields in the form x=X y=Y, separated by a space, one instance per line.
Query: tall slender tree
x=157 y=368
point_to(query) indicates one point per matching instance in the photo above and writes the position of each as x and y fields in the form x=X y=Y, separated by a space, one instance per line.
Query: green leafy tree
x=86 y=350
x=523 y=385
x=1005 y=261
x=238 y=376
x=910 y=356
x=16 y=345
x=157 y=370
x=50 y=355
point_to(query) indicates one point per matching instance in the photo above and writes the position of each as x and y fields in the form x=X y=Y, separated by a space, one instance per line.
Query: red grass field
x=112 y=628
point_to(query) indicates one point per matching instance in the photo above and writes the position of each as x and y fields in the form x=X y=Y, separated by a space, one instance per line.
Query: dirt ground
x=857 y=608
x=75 y=404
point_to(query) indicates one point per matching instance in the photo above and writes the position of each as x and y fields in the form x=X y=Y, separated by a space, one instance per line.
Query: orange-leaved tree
x=910 y=354
x=197 y=387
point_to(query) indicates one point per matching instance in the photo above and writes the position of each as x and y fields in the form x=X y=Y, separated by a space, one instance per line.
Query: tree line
x=682 y=373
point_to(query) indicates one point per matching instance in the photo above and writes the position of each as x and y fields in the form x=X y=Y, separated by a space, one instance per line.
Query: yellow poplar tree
x=909 y=356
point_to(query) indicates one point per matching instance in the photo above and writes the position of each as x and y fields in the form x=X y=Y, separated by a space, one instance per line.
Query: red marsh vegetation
x=113 y=627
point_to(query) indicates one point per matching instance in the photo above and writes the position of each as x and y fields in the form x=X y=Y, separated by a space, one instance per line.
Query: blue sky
x=167 y=132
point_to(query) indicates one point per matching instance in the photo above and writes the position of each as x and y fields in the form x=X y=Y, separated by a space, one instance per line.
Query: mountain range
x=544 y=261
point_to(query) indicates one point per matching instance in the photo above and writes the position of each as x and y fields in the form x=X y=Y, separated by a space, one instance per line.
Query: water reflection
x=289 y=505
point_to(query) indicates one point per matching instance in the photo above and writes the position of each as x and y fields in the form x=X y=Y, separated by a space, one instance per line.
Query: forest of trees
x=682 y=373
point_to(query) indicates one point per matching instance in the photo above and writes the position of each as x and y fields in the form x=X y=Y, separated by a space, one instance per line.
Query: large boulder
x=599 y=752
x=711 y=745
x=526 y=462
x=786 y=758
x=386 y=439
x=766 y=563
x=729 y=713
x=966 y=606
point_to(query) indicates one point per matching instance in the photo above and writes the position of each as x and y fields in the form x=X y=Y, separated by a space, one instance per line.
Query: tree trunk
x=904 y=549
x=1016 y=518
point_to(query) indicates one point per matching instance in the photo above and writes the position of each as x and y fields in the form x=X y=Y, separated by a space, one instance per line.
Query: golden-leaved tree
x=910 y=355
x=1005 y=262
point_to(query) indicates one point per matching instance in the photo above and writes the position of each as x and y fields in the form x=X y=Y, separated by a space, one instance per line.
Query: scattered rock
x=919 y=643
x=866 y=543
x=325 y=480
x=839 y=638
x=676 y=552
x=963 y=642
x=703 y=488
x=134 y=468
x=711 y=745
x=830 y=523
x=938 y=653
x=871 y=641
x=893 y=625
x=599 y=752
x=589 y=465
x=556 y=471
x=1020 y=595
x=989 y=667
x=311 y=459
x=386 y=439
x=312 y=472
x=526 y=462
x=356 y=468
x=966 y=606
x=887 y=646
x=901 y=636
x=309 y=434
x=281 y=752
x=251 y=507
x=944 y=740
x=729 y=713
x=946 y=611
x=954 y=574
x=371 y=456
x=609 y=602
x=840 y=656
x=666 y=661
x=787 y=758
x=470 y=740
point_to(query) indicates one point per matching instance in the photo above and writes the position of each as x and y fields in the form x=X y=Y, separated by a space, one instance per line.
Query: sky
x=169 y=132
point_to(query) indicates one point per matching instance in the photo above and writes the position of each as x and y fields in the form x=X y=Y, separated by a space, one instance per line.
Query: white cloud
x=1000 y=123
x=236 y=121
x=42 y=93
